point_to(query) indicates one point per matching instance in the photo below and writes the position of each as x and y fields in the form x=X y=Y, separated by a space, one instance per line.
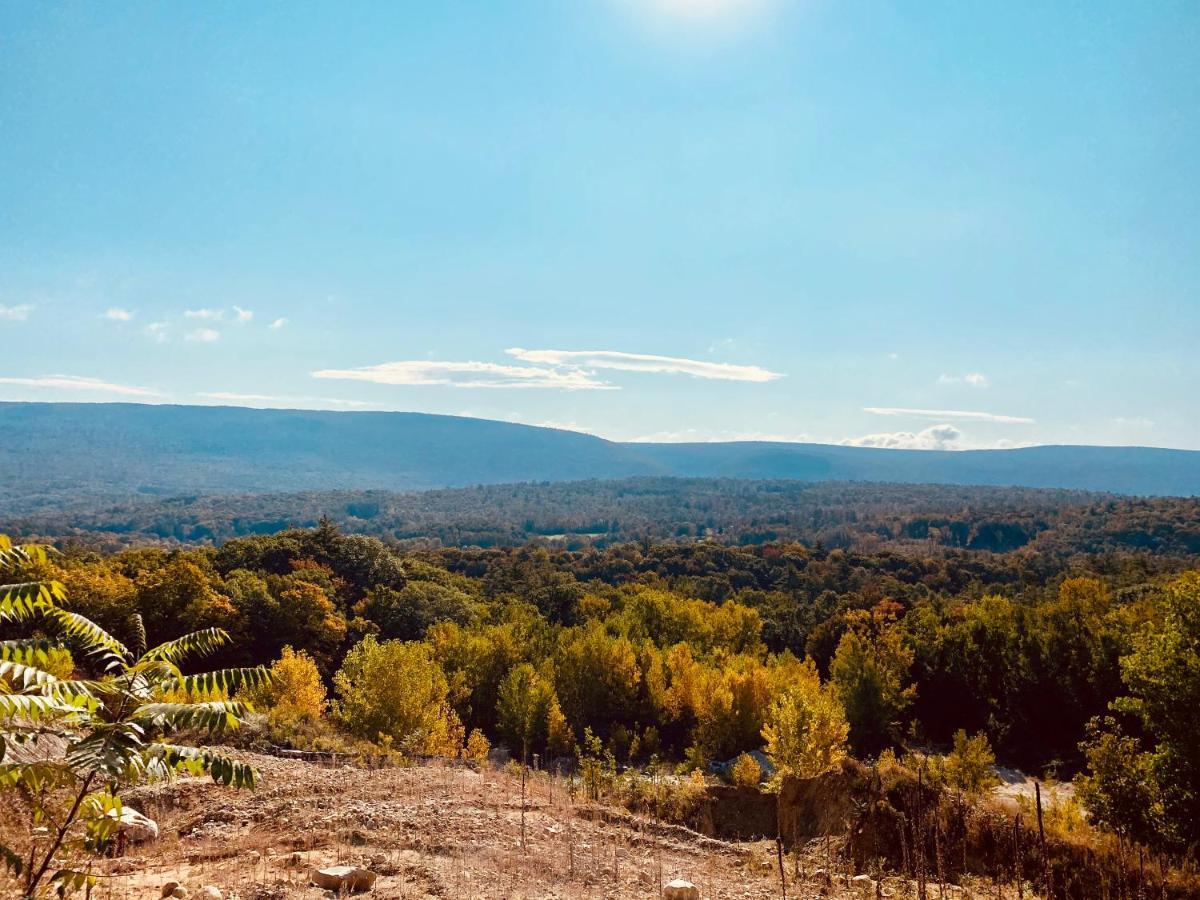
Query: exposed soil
x=439 y=832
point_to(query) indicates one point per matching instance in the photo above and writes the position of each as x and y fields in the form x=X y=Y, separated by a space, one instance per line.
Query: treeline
x=682 y=652
x=599 y=514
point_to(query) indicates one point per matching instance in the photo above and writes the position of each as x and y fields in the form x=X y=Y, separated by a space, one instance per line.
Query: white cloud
x=18 y=313
x=274 y=401
x=643 y=362
x=157 y=331
x=698 y=436
x=467 y=375
x=211 y=315
x=116 y=314
x=972 y=379
x=80 y=383
x=700 y=12
x=957 y=414
x=278 y=323
x=935 y=437
x=202 y=335
x=243 y=315
x=1138 y=422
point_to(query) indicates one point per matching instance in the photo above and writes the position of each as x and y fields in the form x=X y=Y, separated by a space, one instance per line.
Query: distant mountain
x=55 y=453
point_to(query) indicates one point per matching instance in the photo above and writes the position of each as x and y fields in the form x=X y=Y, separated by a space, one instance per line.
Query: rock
x=343 y=879
x=210 y=892
x=136 y=827
x=295 y=858
x=168 y=888
x=254 y=856
x=180 y=892
x=863 y=883
x=680 y=890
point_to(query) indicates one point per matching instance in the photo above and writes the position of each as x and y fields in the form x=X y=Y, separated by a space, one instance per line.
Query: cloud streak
x=81 y=383
x=468 y=375
x=951 y=414
x=18 y=313
x=643 y=362
x=274 y=401
x=116 y=314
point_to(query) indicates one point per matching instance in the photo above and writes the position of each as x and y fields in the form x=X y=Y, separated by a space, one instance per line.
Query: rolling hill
x=55 y=453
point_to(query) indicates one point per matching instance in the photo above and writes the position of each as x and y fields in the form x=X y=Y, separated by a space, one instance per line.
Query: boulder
x=168 y=888
x=343 y=879
x=137 y=828
x=180 y=892
x=680 y=890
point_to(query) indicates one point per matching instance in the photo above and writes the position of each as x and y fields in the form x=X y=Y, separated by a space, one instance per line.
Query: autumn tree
x=806 y=728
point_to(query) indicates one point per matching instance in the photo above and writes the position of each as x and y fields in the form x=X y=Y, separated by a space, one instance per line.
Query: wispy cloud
x=242 y=315
x=157 y=331
x=468 y=375
x=276 y=401
x=971 y=379
x=952 y=414
x=18 y=313
x=704 y=436
x=80 y=383
x=643 y=362
x=278 y=323
x=202 y=335
x=935 y=437
x=116 y=314
x=211 y=315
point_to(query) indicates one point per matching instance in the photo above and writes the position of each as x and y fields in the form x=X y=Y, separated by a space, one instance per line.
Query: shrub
x=477 y=748
x=968 y=767
x=115 y=728
x=746 y=772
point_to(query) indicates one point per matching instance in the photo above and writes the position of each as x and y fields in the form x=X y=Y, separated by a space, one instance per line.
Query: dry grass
x=437 y=831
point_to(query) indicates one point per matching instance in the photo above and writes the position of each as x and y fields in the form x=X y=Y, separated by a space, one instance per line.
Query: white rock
x=210 y=892
x=343 y=879
x=136 y=827
x=680 y=890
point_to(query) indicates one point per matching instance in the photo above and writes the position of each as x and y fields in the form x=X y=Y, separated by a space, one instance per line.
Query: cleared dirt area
x=440 y=832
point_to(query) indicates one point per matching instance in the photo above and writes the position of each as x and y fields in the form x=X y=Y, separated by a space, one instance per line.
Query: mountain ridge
x=53 y=450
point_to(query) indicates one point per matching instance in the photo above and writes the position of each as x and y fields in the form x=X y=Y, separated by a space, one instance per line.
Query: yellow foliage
x=806 y=732
x=295 y=692
x=746 y=771
x=477 y=748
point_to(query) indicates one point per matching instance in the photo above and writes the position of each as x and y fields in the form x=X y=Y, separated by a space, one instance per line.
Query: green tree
x=115 y=726
x=869 y=673
x=394 y=690
x=524 y=707
x=1159 y=781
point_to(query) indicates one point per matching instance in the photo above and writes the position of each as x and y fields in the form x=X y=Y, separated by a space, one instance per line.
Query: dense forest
x=1067 y=663
x=575 y=515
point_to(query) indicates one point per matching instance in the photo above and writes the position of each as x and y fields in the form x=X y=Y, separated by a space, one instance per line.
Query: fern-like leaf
x=200 y=643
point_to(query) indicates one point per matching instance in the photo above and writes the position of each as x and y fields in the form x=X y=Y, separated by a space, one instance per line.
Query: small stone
x=680 y=890
x=210 y=892
x=180 y=892
x=168 y=888
x=254 y=856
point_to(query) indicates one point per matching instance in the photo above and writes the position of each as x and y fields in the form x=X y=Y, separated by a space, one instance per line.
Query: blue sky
x=941 y=224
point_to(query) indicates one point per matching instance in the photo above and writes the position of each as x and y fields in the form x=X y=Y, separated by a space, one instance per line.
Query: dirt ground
x=439 y=832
